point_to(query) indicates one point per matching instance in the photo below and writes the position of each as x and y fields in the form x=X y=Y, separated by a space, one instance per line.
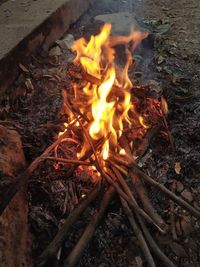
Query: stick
x=173 y=196
x=138 y=233
x=51 y=251
x=129 y=198
x=24 y=176
x=70 y=161
x=172 y=218
x=159 y=225
x=131 y=201
x=167 y=262
x=158 y=221
x=181 y=202
x=140 y=189
x=78 y=250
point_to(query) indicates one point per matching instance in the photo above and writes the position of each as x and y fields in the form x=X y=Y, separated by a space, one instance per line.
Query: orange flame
x=109 y=110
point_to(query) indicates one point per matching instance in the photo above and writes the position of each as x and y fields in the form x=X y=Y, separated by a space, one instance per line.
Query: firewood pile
x=108 y=123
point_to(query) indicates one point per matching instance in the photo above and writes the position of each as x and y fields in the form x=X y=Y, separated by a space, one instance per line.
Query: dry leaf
x=177 y=168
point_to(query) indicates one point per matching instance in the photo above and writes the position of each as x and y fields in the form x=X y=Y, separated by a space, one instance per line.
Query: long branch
x=161 y=227
x=140 y=189
x=148 y=207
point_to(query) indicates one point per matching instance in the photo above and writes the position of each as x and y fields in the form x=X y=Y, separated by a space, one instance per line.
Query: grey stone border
x=41 y=37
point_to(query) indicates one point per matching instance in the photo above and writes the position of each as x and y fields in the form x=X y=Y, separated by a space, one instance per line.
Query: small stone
x=186 y=194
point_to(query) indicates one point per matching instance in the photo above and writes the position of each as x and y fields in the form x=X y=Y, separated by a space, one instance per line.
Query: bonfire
x=111 y=121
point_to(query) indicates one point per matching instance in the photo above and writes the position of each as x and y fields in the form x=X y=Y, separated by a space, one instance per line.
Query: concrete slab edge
x=42 y=36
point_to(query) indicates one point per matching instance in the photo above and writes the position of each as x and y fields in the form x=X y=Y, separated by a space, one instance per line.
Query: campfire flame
x=104 y=104
x=110 y=102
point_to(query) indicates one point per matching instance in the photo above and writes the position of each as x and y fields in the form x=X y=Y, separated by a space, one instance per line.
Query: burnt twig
x=141 y=190
x=70 y=161
x=142 y=149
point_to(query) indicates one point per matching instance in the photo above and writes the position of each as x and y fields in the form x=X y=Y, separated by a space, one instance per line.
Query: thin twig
x=172 y=217
x=86 y=156
x=158 y=221
x=76 y=253
x=110 y=181
x=128 y=197
x=70 y=161
x=159 y=225
x=51 y=251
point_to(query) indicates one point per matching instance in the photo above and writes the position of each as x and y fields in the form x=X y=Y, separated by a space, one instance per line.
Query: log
x=22 y=178
x=15 y=245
